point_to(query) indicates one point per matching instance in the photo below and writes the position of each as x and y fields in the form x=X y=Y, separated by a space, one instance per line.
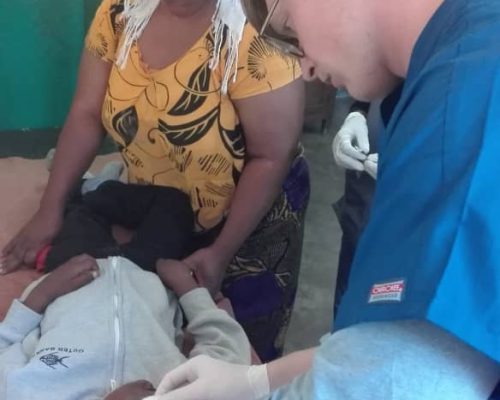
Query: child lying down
x=106 y=329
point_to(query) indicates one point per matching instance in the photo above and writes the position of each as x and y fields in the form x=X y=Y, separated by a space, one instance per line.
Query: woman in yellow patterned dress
x=212 y=110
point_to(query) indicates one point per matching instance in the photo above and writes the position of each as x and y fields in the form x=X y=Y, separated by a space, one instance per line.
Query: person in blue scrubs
x=420 y=318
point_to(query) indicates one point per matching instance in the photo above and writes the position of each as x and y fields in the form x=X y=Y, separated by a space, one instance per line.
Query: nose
x=308 y=69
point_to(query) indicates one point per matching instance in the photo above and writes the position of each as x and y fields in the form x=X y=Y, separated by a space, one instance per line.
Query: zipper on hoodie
x=116 y=322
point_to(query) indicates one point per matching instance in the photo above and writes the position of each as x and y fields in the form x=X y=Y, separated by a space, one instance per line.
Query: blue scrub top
x=431 y=249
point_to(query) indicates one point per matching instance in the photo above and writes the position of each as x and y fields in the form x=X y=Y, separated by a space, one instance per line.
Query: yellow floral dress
x=173 y=126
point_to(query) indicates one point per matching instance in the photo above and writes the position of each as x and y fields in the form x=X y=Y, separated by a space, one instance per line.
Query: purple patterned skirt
x=261 y=281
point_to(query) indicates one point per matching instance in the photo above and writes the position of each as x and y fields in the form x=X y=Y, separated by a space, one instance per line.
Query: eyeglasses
x=286 y=45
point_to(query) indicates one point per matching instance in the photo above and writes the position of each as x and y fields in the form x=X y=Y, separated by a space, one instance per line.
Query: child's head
x=137 y=390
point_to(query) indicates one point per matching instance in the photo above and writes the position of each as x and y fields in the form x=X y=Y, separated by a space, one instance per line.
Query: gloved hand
x=351 y=144
x=371 y=165
x=204 y=378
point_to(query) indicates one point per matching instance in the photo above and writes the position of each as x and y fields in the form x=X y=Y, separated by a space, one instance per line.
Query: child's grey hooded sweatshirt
x=123 y=326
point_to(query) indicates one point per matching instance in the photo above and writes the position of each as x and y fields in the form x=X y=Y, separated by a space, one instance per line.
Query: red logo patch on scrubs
x=387 y=292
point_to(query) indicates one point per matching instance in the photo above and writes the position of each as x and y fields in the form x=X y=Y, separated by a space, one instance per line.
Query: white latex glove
x=204 y=378
x=371 y=165
x=351 y=145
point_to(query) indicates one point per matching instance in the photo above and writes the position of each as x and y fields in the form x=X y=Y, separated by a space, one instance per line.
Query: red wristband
x=40 y=258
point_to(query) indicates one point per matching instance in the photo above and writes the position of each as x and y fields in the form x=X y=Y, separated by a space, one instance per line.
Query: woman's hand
x=209 y=266
x=35 y=235
x=77 y=146
x=176 y=275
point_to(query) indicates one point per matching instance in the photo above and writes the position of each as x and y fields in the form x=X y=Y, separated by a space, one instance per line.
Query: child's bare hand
x=176 y=275
x=132 y=391
x=72 y=275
